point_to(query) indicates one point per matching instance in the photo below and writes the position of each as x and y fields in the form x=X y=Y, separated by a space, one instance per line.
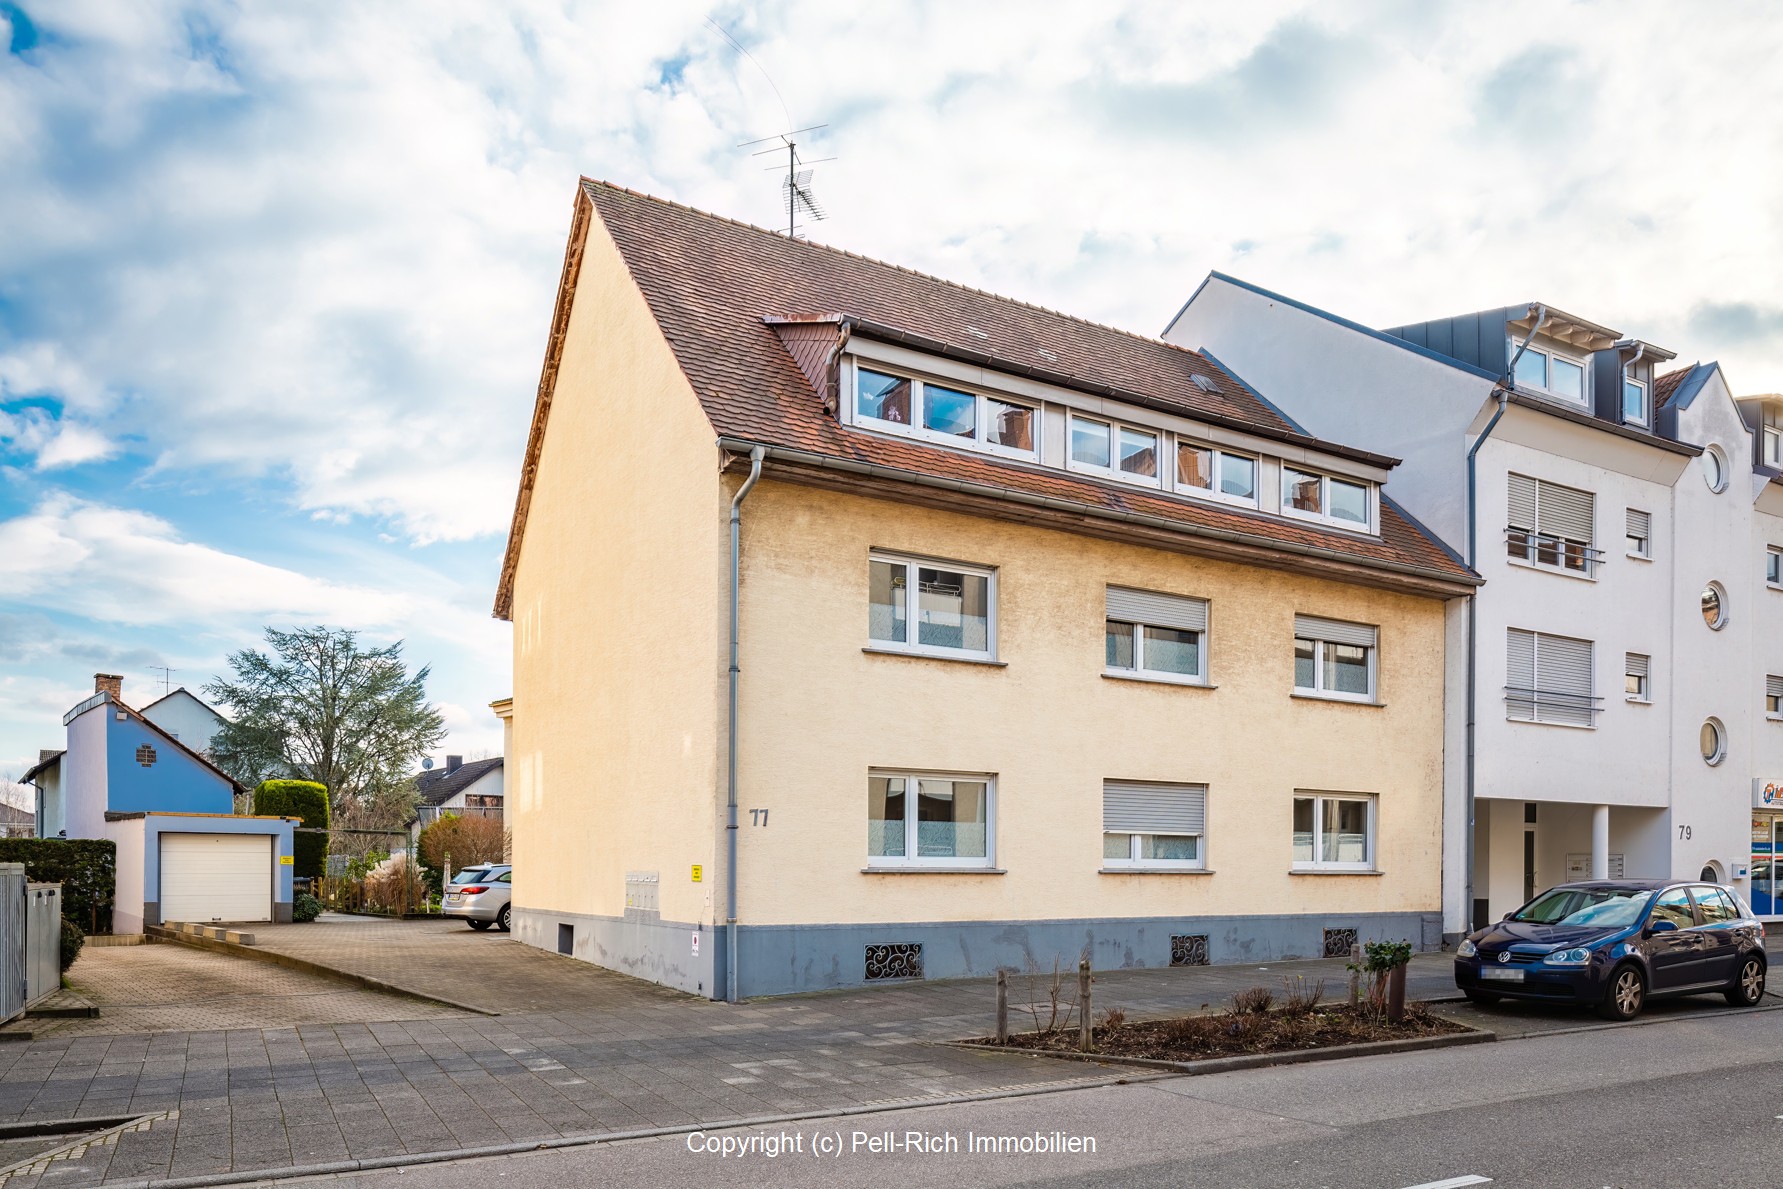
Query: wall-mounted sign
x=287 y=860
x=696 y=945
x=1578 y=867
x=698 y=872
x=1767 y=794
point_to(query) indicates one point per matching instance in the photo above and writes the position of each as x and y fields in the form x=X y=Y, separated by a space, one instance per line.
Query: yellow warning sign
x=698 y=872
x=287 y=860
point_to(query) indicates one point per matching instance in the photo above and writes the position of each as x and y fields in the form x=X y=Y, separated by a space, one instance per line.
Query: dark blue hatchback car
x=1613 y=944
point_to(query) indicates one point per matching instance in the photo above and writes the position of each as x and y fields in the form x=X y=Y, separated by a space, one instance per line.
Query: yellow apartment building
x=870 y=627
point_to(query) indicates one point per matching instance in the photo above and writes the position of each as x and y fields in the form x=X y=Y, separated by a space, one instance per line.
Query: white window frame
x=1645 y=696
x=1318 y=829
x=1540 y=536
x=918 y=407
x=1139 y=672
x=1645 y=553
x=1773 y=553
x=910 y=645
x=908 y=861
x=1768 y=436
x=1589 y=702
x=1370 y=500
x=1549 y=355
x=1133 y=861
x=1318 y=690
x=1773 y=688
x=1216 y=462
x=1717 y=479
x=1113 y=469
x=1646 y=417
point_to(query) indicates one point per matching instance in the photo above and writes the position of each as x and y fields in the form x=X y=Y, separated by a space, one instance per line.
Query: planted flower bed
x=1252 y=1024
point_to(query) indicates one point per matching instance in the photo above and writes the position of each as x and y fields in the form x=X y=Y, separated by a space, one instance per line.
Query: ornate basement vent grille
x=1188 y=949
x=1339 y=942
x=902 y=960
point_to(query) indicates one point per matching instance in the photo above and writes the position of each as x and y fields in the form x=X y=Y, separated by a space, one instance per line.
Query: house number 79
x=1684 y=833
x=758 y=817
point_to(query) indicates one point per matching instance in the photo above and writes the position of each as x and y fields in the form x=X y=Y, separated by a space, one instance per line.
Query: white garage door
x=216 y=877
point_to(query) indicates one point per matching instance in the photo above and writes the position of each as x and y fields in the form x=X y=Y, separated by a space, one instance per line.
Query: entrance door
x=1528 y=866
x=216 y=877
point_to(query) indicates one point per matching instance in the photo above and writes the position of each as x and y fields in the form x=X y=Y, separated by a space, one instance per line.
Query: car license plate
x=454 y=898
x=1501 y=974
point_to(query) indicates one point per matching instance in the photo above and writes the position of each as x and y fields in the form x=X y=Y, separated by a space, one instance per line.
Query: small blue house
x=183 y=854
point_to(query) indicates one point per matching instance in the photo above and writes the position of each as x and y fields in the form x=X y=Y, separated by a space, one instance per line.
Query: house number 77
x=758 y=817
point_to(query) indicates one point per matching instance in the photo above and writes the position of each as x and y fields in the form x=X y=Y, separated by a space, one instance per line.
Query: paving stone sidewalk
x=577 y=1049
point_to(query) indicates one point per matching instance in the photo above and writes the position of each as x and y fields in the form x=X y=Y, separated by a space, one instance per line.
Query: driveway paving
x=576 y=1050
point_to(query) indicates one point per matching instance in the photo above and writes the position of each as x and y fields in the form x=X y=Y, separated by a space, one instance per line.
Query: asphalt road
x=1683 y=1102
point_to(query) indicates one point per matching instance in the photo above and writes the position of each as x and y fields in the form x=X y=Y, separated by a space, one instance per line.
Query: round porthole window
x=1715 y=606
x=1710 y=874
x=1715 y=469
x=1714 y=742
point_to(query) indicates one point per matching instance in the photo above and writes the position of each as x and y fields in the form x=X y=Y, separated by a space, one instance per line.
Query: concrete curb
x=590 y=1139
x=1372 y=1048
x=291 y=962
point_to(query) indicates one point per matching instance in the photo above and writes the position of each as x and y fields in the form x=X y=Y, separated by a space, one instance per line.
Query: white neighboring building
x=1612 y=729
x=186 y=717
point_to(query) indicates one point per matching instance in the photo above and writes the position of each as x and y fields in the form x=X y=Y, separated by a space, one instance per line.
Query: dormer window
x=1203 y=470
x=1770 y=445
x=1550 y=372
x=1634 y=401
x=1336 y=501
x=1119 y=451
x=939 y=413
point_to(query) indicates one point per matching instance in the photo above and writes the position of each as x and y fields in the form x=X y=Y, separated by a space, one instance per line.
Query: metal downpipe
x=756 y=456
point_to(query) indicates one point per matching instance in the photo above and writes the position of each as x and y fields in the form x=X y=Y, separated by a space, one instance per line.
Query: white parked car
x=479 y=895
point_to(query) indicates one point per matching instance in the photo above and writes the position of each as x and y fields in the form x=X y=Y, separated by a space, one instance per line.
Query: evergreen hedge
x=303 y=799
x=87 y=869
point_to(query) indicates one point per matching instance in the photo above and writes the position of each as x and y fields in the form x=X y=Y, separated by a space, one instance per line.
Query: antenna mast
x=166 y=676
x=797 y=183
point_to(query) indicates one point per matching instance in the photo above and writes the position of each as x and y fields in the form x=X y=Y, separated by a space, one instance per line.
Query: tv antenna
x=796 y=185
x=166 y=676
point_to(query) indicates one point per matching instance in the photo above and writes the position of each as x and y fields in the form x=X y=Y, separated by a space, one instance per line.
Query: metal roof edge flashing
x=740 y=446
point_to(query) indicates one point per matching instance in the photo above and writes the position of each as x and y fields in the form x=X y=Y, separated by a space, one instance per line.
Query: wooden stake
x=1355 y=975
x=1083 y=1004
x=1396 y=994
x=1002 y=1007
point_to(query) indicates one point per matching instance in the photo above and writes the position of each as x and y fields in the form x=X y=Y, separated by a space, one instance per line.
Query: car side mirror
x=1507 y=916
x=1661 y=926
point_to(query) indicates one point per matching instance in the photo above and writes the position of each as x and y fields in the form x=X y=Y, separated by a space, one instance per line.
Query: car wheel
x=1748 y=988
x=1483 y=998
x=1627 y=992
x=479 y=926
x=502 y=919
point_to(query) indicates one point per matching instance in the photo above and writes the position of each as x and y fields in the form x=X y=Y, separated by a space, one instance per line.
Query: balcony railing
x=429 y=814
x=1545 y=549
x=1547 y=705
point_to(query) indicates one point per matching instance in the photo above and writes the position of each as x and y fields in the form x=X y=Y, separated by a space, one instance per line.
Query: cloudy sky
x=275 y=278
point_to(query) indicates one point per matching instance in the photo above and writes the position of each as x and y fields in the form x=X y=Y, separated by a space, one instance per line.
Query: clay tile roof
x=1666 y=386
x=753 y=316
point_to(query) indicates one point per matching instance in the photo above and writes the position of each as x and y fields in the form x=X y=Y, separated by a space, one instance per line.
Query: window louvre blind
x=1565 y=512
x=1522 y=503
x=1549 y=678
x=1158 y=610
x=1640 y=524
x=1549 y=508
x=1637 y=665
x=1773 y=687
x=1139 y=807
x=1333 y=631
x=1519 y=673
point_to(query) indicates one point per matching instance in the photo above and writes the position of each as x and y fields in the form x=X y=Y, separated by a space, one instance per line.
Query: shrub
x=305 y=908
x=72 y=940
x=87 y=869
x=1254 y=1001
x=1299 y=996
x=465 y=841
x=307 y=801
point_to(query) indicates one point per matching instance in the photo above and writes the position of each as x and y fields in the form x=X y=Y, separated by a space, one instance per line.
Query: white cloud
x=127 y=567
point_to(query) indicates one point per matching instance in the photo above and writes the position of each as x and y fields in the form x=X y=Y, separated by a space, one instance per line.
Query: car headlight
x=1466 y=949
x=1573 y=957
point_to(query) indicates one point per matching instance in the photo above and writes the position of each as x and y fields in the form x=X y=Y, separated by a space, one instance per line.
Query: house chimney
x=453 y=764
x=109 y=683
